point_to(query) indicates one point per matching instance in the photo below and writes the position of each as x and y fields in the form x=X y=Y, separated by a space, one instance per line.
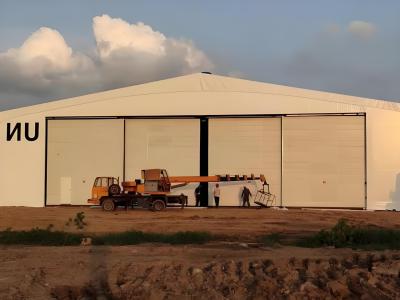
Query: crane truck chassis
x=153 y=202
x=153 y=193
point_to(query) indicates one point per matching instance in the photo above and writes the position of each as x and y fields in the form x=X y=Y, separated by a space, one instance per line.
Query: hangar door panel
x=171 y=144
x=78 y=152
x=244 y=146
x=323 y=161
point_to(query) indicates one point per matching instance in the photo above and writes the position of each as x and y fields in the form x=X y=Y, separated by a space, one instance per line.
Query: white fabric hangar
x=316 y=149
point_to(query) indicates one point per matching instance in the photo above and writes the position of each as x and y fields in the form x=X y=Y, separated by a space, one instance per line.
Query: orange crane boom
x=188 y=179
x=215 y=178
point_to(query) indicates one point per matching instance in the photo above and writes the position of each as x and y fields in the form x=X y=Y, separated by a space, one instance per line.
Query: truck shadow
x=97 y=288
x=99 y=270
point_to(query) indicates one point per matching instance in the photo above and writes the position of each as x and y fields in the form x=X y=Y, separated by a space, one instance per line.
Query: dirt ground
x=196 y=272
x=242 y=223
x=233 y=269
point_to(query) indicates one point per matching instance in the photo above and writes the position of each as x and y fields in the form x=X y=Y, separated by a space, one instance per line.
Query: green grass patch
x=138 y=237
x=47 y=237
x=36 y=236
x=271 y=240
x=345 y=235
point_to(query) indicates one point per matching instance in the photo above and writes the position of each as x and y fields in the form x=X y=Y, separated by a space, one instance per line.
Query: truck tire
x=158 y=205
x=114 y=189
x=108 y=204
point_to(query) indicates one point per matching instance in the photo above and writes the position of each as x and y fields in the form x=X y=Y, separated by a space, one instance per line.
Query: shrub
x=271 y=240
x=38 y=236
x=345 y=235
x=47 y=237
x=138 y=237
x=78 y=220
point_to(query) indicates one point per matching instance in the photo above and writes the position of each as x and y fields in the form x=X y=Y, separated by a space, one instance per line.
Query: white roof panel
x=208 y=85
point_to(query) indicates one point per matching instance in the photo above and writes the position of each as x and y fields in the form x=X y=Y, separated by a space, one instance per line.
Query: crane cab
x=156 y=181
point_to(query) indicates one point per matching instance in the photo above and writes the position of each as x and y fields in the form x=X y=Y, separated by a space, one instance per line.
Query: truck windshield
x=101 y=181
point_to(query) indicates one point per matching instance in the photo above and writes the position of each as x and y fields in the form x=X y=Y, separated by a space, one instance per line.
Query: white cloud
x=135 y=53
x=362 y=29
x=45 y=44
x=44 y=52
x=44 y=66
x=113 y=34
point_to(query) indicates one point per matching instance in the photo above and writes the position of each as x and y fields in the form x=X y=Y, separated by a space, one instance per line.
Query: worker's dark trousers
x=197 y=201
x=246 y=201
x=216 y=201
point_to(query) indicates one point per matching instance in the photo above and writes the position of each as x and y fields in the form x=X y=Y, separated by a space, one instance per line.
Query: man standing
x=246 y=195
x=217 y=193
x=197 y=195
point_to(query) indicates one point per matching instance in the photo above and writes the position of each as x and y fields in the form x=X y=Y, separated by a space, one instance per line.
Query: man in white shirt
x=217 y=193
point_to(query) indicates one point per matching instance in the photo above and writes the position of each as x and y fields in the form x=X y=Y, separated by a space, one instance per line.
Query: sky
x=51 y=50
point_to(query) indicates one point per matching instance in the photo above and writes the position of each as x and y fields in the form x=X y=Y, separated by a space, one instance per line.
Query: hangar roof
x=205 y=83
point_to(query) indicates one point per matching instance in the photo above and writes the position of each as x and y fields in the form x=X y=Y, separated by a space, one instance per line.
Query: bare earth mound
x=189 y=272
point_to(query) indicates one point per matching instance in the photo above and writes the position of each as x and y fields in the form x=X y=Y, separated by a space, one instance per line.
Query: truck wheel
x=108 y=205
x=114 y=189
x=158 y=205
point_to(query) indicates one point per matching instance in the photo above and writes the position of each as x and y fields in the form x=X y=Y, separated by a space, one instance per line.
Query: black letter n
x=17 y=129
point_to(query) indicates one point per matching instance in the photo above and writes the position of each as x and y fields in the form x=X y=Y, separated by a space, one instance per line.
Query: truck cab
x=102 y=187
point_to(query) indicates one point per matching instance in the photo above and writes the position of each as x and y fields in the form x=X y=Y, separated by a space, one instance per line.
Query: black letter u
x=35 y=137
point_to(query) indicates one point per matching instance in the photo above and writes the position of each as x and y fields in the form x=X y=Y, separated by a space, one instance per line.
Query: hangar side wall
x=22 y=163
x=383 y=159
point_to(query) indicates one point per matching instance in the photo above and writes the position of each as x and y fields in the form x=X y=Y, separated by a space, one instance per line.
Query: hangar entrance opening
x=77 y=152
x=81 y=150
x=309 y=161
x=171 y=144
x=244 y=146
x=324 y=161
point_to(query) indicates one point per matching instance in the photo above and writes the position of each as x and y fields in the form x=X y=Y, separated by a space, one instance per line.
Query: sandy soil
x=245 y=224
x=218 y=270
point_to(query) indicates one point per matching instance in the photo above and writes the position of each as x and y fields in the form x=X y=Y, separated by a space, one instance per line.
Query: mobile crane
x=154 y=192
